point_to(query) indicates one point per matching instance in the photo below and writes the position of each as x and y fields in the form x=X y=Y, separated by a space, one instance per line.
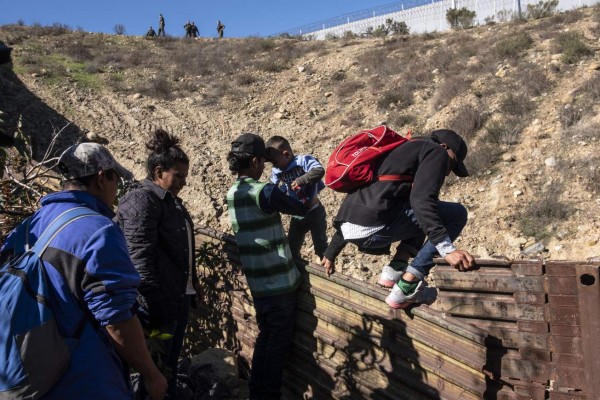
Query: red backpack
x=351 y=164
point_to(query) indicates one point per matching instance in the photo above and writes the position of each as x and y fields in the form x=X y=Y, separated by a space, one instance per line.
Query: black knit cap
x=457 y=144
x=249 y=143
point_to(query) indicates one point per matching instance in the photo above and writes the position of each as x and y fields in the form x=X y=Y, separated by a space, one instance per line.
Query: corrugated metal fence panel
x=350 y=345
x=509 y=330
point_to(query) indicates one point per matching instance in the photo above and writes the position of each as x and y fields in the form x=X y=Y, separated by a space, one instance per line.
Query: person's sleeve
x=139 y=216
x=312 y=176
x=314 y=170
x=335 y=247
x=273 y=200
x=424 y=197
x=111 y=281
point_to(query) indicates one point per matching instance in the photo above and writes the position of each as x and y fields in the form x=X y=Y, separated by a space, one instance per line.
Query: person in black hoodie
x=375 y=216
x=160 y=237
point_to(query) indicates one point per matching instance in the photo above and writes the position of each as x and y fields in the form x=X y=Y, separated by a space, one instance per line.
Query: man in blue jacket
x=101 y=281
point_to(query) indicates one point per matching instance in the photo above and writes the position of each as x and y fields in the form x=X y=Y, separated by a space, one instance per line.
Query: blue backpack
x=34 y=353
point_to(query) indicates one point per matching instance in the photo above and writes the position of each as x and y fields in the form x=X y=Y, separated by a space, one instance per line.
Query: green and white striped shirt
x=262 y=242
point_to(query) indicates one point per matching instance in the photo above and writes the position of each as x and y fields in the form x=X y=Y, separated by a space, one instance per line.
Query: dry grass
x=468 y=122
x=348 y=88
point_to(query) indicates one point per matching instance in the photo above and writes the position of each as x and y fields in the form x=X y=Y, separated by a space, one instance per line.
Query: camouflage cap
x=85 y=159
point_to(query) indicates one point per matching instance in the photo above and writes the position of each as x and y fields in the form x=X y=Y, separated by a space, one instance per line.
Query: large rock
x=223 y=362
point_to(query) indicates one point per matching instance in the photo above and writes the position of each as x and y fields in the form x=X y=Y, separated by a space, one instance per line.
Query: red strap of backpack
x=406 y=178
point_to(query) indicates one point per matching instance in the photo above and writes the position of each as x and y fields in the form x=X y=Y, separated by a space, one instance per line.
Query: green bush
x=513 y=45
x=572 y=47
x=461 y=18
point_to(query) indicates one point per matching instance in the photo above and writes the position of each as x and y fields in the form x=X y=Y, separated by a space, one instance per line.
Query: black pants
x=275 y=316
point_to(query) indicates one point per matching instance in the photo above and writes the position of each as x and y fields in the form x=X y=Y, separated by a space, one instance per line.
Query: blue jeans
x=314 y=221
x=406 y=228
x=275 y=316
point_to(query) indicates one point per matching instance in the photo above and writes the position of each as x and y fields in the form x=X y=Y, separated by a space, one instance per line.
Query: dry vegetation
x=520 y=93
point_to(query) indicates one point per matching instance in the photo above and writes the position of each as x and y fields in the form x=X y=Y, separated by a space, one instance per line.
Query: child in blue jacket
x=300 y=178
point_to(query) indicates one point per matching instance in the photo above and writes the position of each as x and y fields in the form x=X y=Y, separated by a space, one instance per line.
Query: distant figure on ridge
x=188 y=29
x=151 y=32
x=194 y=30
x=220 y=29
x=161 y=26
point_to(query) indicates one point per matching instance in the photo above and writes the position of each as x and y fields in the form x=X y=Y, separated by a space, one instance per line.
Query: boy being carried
x=300 y=178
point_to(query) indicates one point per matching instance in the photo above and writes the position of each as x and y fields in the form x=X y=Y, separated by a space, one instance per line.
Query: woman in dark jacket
x=160 y=237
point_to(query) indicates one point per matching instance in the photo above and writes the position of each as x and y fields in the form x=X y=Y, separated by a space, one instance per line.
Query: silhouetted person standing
x=194 y=30
x=188 y=29
x=220 y=29
x=161 y=26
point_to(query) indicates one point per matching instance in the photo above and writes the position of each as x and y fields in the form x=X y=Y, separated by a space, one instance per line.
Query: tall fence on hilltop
x=419 y=15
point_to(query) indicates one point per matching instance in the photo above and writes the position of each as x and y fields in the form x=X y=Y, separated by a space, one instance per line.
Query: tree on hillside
x=390 y=27
x=119 y=29
x=461 y=18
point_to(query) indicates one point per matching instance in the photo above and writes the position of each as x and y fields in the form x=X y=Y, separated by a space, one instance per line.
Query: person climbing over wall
x=387 y=211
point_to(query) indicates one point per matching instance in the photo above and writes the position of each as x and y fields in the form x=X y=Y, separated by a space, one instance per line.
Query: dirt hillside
x=524 y=95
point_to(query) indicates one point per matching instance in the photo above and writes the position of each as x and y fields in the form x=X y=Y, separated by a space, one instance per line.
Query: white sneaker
x=389 y=277
x=422 y=295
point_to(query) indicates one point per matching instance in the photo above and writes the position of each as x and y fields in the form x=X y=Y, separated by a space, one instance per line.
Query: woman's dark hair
x=239 y=161
x=164 y=151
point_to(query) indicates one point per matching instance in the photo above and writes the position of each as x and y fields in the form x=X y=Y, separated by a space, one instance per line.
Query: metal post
x=588 y=290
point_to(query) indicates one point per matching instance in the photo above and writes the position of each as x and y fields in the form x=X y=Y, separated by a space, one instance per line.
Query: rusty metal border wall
x=510 y=330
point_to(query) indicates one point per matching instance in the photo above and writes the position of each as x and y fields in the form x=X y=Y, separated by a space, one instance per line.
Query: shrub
x=245 y=79
x=505 y=15
x=591 y=173
x=571 y=114
x=119 y=29
x=534 y=218
x=400 y=120
x=397 y=27
x=481 y=158
x=399 y=96
x=541 y=10
x=516 y=104
x=353 y=119
x=349 y=88
x=468 y=121
x=461 y=18
x=159 y=87
x=379 y=62
x=583 y=131
x=591 y=88
x=338 y=75
x=449 y=89
x=572 y=47
x=533 y=79
x=349 y=35
x=504 y=131
x=513 y=45
x=78 y=51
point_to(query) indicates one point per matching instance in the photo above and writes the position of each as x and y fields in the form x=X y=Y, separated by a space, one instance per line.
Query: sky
x=241 y=17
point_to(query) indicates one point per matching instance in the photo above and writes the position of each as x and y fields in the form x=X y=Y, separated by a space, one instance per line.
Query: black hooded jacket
x=378 y=203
